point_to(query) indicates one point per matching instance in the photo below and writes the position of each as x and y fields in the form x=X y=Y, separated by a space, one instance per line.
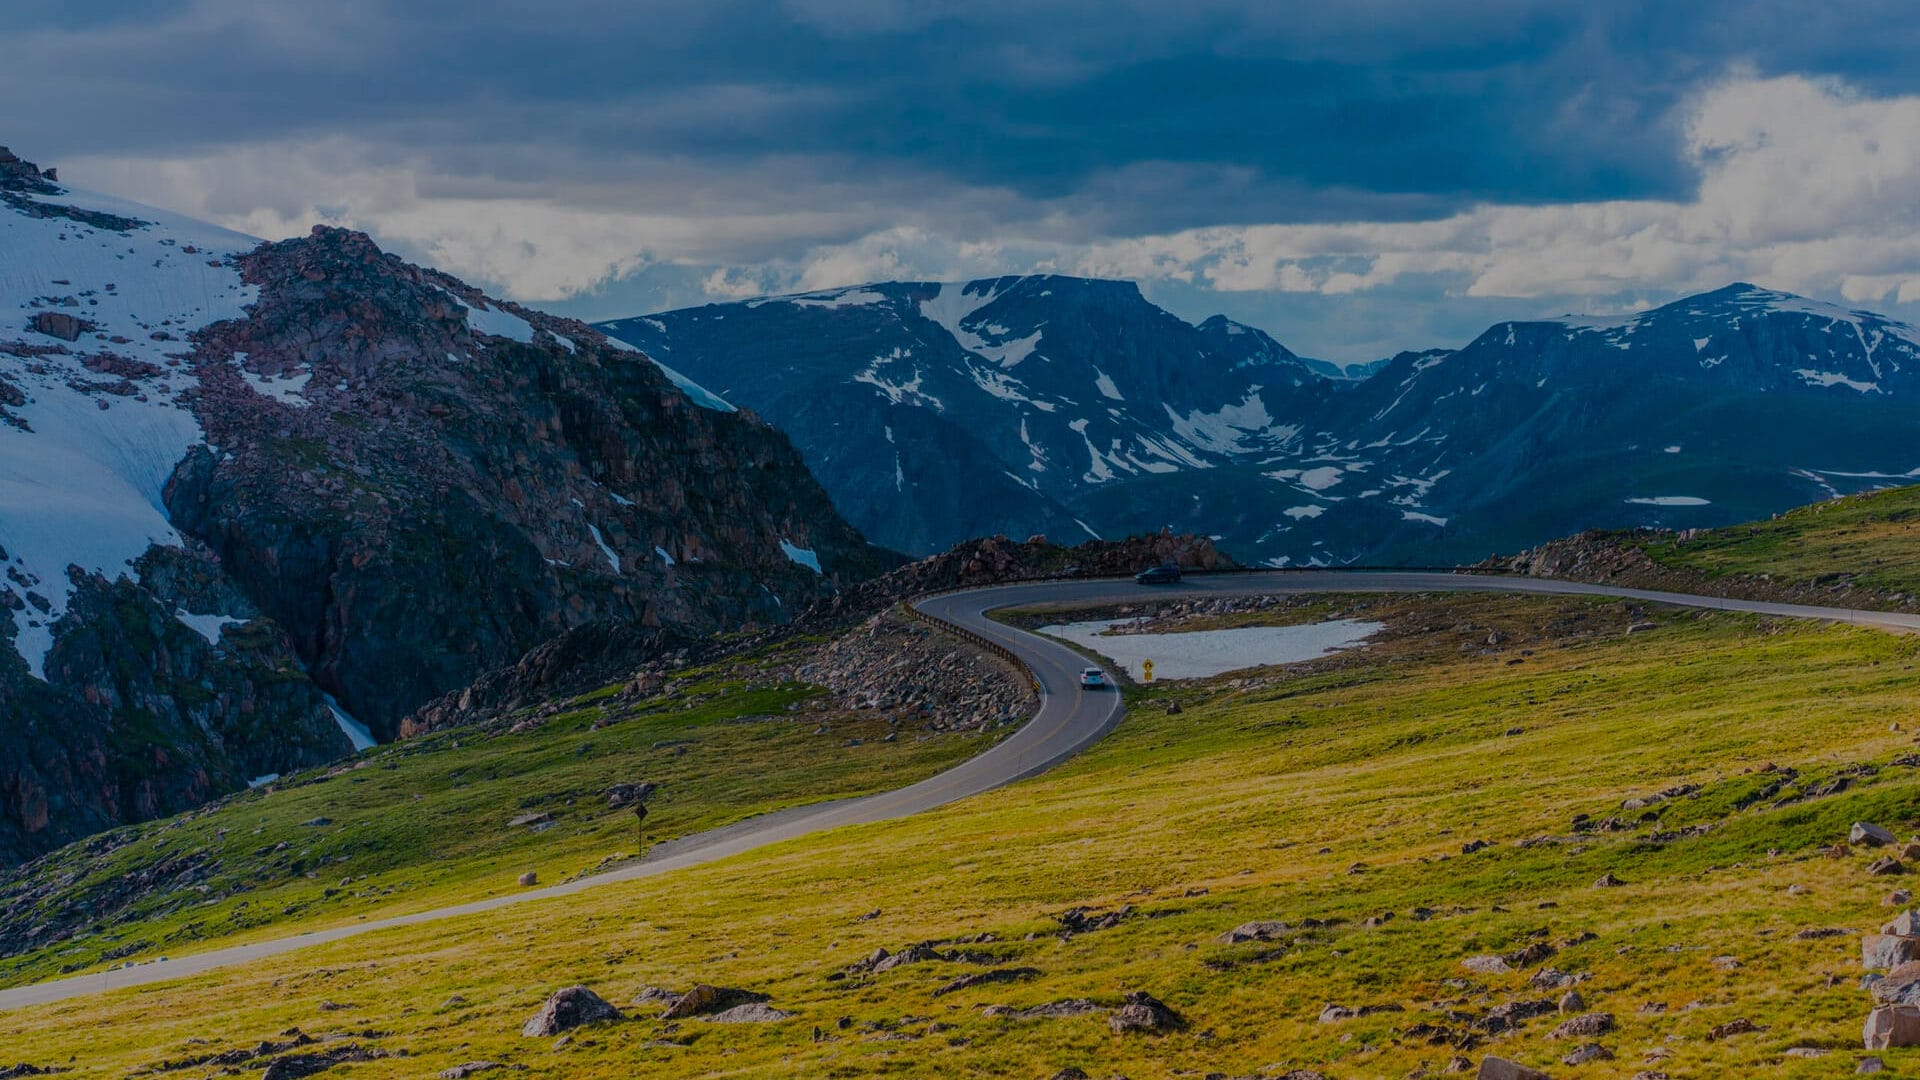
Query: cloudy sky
x=1357 y=177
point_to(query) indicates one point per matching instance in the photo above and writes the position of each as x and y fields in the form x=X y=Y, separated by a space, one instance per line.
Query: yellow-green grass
x=1872 y=541
x=1264 y=797
x=428 y=822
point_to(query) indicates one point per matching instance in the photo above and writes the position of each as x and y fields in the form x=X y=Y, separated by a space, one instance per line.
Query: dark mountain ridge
x=1118 y=416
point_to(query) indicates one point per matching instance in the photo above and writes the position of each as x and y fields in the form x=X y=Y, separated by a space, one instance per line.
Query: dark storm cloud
x=1127 y=117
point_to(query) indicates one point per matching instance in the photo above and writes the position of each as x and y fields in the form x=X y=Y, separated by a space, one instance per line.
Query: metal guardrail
x=977 y=640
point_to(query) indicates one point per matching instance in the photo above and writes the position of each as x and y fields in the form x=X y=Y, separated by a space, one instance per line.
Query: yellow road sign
x=1146 y=671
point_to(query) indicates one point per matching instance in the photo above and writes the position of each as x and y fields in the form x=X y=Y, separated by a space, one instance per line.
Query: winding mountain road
x=1069 y=720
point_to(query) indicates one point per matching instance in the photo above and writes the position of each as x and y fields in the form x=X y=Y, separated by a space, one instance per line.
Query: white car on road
x=1093 y=678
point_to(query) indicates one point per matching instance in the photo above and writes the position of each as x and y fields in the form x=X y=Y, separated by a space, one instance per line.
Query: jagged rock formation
x=237 y=477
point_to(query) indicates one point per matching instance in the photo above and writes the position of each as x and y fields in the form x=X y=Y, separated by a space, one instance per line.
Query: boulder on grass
x=568 y=1009
x=1144 y=1012
x=1892 y=1025
x=1869 y=835
x=1493 y=1068
x=1879 y=952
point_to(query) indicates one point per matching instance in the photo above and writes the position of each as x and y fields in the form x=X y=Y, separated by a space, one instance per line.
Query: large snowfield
x=83 y=485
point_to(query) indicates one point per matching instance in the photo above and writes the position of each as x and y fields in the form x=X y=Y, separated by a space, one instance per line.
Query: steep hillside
x=1718 y=408
x=258 y=501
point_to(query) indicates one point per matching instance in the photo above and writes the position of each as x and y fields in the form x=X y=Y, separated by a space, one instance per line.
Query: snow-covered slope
x=103 y=422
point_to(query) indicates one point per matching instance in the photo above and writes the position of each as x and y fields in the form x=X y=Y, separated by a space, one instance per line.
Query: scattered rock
x=753 y=1012
x=1740 y=1026
x=1472 y=846
x=1589 y=1052
x=1608 y=881
x=1335 y=1013
x=471 y=1068
x=529 y=878
x=1493 y=1068
x=295 y=1066
x=631 y=794
x=1905 y=924
x=1554 y=979
x=1583 y=1026
x=568 y=1009
x=1052 y=1010
x=1869 y=835
x=1870 y=1065
x=1726 y=963
x=983 y=978
x=1144 y=1012
x=1070 y=1073
x=1487 y=965
x=1571 y=1002
x=1266 y=930
x=1897 y=898
x=703 y=999
x=1886 y=864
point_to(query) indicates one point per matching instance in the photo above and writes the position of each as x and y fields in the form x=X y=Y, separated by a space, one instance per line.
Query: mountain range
x=260 y=501
x=1072 y=406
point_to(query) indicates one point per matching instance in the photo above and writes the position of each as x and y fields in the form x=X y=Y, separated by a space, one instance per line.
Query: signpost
x=1146 y=671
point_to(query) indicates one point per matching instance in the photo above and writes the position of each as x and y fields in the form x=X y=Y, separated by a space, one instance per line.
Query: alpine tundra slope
x=1069 y=719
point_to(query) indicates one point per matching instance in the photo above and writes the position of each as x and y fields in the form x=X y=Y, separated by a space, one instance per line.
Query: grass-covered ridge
x=431 y=821
x=1871 y=541
x=1342 y=794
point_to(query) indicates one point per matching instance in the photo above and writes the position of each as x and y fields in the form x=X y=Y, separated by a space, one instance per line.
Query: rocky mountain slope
x=933 y=410
x=260 y=501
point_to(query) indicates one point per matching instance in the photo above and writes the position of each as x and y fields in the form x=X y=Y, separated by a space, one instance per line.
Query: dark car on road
x=1164 y=574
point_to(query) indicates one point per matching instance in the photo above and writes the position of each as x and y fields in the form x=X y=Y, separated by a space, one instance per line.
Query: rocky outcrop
x=414 y=486
x=438 y=500
x=567 y=1009
x=141 y=716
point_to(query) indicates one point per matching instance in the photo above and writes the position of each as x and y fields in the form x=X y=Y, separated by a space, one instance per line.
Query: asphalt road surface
x=1069 y=720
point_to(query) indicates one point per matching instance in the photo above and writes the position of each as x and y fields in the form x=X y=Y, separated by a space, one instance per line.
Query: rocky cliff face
x=238 y=477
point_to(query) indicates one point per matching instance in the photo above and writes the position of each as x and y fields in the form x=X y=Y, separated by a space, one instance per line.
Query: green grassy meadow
x=1336 y=797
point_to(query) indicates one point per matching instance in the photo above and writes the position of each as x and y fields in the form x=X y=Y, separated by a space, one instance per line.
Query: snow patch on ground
x=499 y=322
x=207 y=626
x=1414 y=515
x=356 y=732
x=804 y=556
x=1828 y=378
x=1105 y=385
x=1202 y=653
x=1670 y=500
x=613 y=558
x=696 y=393
x=665 y=557
x=839 y=299
x=1301 y=512
x=1225 y=431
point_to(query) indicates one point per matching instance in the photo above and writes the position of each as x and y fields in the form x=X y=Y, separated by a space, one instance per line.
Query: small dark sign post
x=640 y=826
